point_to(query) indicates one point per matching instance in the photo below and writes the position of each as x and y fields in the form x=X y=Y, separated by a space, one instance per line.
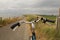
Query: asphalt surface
x=21 y=33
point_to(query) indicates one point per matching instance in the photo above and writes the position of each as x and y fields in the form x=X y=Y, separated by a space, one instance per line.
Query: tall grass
x=30 y=17
x=7 y=21
x=44 y=31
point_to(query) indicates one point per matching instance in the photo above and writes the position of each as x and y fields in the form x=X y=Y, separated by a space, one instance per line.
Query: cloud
x=8 y=7
x=5 y=4
x=49 y=3
x=17 y=4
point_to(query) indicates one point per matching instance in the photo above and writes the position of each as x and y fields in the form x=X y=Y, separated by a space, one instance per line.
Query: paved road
x=22 y=33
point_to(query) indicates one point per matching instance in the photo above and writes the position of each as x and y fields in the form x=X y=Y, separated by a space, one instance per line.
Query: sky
x=20 y=7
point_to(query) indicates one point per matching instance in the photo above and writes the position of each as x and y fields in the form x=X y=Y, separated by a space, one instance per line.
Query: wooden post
x=59 y=12
x=58 y=27
x=58 y=23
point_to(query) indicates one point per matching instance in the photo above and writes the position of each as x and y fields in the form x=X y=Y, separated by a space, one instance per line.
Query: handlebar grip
x=14 y=25
x=47 y=20
x=52 y=21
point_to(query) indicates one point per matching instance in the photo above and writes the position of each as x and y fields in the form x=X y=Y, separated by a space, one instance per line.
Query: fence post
x=58 y=27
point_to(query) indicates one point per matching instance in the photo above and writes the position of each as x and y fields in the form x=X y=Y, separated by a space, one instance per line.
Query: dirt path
x=22 y=33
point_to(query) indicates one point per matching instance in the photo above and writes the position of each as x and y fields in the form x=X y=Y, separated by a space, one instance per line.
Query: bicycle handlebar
x=47 y=20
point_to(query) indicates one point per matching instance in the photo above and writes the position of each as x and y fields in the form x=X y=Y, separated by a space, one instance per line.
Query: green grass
x=52 y=17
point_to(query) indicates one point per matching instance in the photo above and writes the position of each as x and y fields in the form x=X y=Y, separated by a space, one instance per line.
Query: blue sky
x=20 y=7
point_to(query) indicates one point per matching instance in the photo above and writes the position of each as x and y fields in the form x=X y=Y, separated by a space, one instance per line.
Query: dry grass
x=9 y=20
x=44 y=31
